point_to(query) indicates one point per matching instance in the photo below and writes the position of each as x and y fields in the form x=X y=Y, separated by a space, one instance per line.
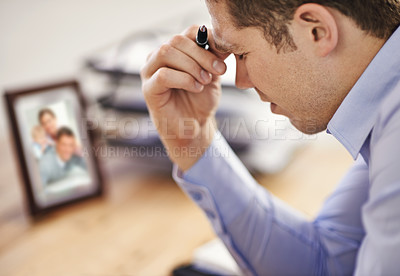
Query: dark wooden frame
x=10 y=97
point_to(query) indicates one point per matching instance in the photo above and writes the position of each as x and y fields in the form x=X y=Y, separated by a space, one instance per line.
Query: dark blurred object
x=190 y=270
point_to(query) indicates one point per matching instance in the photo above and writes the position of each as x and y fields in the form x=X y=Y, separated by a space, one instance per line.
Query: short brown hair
x=379 y=18
x=64 y=131
x=44 y=111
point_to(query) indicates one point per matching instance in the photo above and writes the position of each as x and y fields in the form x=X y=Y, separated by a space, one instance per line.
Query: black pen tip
x=202 y=36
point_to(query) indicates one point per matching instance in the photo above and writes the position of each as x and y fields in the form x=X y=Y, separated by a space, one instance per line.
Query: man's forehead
x=223 y=30
x=67 y=138
x=222 y=44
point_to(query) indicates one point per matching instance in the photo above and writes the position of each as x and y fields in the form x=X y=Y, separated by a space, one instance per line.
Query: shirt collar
x=356 y=116
x=59 y=161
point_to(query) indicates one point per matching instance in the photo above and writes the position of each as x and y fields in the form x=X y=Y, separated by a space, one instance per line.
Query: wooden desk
x=144 y=226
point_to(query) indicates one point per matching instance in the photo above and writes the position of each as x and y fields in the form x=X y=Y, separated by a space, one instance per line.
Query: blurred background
x=143 y=225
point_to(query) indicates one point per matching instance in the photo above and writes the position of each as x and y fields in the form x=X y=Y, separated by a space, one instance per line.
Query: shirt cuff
x=222 y=187
x=218 y=181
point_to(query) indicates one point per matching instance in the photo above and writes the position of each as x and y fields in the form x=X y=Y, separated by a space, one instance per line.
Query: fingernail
x=198 y=85
x=219 y=66
x=205 y=76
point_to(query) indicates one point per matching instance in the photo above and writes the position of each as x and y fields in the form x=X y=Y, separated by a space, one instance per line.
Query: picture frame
x=53 y=145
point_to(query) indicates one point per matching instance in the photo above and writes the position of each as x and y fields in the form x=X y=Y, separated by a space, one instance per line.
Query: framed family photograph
x=53 y=145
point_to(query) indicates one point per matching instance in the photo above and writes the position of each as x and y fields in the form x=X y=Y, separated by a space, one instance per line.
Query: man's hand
x=180 y=82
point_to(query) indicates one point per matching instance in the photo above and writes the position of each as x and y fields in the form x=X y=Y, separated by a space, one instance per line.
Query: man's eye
x=242 y=56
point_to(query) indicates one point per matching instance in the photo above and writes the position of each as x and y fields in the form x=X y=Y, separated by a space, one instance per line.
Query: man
x=333 y=65
x=48 y=121
x=57 y=162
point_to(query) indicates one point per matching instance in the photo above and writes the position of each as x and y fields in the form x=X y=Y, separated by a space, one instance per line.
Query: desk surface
x=144 y=225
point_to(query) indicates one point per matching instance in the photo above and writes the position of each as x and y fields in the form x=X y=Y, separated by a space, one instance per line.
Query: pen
x=202 y=37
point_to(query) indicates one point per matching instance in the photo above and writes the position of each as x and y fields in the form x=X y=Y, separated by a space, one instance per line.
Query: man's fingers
x=205 y=59
x=149 y=55
x=166 y=78
x=168 y=56
x=191 y=33
x=180 y=64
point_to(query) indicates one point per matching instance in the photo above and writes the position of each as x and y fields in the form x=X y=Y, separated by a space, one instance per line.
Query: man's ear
x=319 y=26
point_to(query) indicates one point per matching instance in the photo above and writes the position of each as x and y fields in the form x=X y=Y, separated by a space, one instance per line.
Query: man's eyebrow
x=226 y=48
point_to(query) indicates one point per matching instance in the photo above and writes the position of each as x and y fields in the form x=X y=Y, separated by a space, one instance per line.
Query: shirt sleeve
x=263 y=234
x=380 y=251
x=43 y=168
x=37 y=151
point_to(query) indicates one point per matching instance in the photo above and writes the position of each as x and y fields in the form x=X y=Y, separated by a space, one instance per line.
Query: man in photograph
x=60 y=161
x=326 y=65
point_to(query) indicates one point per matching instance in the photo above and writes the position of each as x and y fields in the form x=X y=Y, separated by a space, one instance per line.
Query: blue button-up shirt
x=358 y=229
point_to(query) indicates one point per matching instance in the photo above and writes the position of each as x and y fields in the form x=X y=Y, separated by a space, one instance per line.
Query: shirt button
x=196 y=196
x=210 y=214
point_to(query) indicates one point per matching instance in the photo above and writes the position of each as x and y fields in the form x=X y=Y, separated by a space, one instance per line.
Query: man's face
x=49 y=123
x=297 y=83
x=65 y=147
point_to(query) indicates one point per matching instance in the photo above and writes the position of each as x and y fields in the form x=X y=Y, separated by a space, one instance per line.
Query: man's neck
x=357 y=49
x=60 y=161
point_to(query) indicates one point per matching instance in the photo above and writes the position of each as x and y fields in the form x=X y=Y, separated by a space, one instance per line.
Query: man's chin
x=276 y=109
x=66 y=159
x=310 y=127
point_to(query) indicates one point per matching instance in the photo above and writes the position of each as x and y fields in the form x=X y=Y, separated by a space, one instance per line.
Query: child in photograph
x=40 y=141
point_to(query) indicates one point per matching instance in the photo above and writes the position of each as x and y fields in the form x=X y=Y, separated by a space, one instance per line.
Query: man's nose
x=242 y=77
